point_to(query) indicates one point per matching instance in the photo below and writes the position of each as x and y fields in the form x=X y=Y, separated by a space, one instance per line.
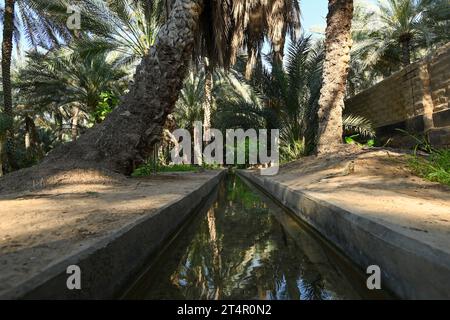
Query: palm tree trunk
x=207 y=104
x=406 y=52
x=1 y=156
x=27 y=134
x=32 y=139
x=7 y=45
x=59 y=122
x=127 y=136
x=74 y=124
x=335 y=70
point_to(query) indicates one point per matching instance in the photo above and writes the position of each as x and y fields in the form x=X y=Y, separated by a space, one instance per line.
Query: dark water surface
x=242 y=245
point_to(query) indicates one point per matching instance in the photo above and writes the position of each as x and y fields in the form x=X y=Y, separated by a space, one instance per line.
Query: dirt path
x=38 y=229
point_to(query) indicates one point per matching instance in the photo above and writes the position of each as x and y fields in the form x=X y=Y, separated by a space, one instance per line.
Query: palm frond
x=359 y=125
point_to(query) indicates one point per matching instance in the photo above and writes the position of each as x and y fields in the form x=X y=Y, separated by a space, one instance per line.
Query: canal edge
x=410 y=269
x=108 y=264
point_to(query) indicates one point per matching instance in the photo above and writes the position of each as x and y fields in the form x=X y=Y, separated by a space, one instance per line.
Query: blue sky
x=314 y=18
x=314 y=13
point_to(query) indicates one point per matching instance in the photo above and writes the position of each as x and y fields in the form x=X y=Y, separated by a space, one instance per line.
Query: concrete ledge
x=411 y=269
x=112 y=262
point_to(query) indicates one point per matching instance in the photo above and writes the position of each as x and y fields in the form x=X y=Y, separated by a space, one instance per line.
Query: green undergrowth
x=435 y=167
x=150 y=168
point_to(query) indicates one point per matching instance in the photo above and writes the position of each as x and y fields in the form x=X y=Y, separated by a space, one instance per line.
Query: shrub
x=149 y=168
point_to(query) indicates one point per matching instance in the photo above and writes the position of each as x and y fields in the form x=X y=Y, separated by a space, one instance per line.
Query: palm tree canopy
x=226 y=26
x=126 y=28
x=379 y=33
x=41 y=22
x=189 y=107
x=288 y=96
x=63 y=77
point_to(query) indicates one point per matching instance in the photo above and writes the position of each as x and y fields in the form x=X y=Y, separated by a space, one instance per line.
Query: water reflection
x=246 y=247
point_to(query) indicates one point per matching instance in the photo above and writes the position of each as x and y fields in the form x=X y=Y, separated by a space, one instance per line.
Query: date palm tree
x=5 y=124
x=338 y=43
x=126 y=28
x=42 y=25
x=288 y=100
x=292 y=91
x=64 y=79
x=190 y=105
x=399 y=30
x=214 y=28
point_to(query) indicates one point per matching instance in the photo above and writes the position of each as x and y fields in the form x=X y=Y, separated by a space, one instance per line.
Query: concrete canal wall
x=110 y=264
x=415 y=99
x=410 y=268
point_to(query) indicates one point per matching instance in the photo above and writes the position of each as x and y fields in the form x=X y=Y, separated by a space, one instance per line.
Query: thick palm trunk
x=126 y=137
x=335 y=70
x=7 y=45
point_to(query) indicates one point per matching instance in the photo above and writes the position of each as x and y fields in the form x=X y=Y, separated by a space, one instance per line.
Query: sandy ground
x=38 y=229
x=378 y=185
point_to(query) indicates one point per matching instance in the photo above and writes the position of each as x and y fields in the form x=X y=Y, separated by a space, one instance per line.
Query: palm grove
x=103 y=97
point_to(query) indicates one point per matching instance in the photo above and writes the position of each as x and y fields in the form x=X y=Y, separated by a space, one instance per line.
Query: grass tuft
x=149 y=168
x=435 y=168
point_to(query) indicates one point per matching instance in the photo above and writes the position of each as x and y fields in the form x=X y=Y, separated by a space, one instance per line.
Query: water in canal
x=241 y=245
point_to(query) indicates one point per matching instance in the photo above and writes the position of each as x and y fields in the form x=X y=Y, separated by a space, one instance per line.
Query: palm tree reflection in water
x=246 y=247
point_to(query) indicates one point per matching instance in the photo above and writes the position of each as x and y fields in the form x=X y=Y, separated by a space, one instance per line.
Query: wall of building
x=416 y=99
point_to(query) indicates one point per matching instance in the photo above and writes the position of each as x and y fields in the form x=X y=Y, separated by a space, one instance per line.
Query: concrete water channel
x=240 y=244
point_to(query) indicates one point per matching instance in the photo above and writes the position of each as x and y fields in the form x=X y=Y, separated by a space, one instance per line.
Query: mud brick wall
x=416 y=99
